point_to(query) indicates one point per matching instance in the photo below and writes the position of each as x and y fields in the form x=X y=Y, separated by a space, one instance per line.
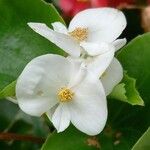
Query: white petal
x=89 y=108
x=40 y=81
x=59 y=27
x=79 y=76
x=76 y=63
x=50 y=112
x=112 y=76
x=118 y=44
x=94 y=49
x=79 y=71
x=61 y=40
x=104 y=24
x=98 y=64
x=61 y=118
x=35 y=105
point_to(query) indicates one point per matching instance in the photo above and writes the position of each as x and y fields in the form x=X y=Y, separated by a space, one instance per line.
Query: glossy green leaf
x=135 y=60
x=144 y=142
x=119 y=92
x=8 y=91
x=71 y=139
x=18 y=43
x=132 y=94
x=126 y=92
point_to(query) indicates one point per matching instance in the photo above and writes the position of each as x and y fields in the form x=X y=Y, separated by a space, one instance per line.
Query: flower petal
x=59 y=27
x=103 y=24
x=50 y=112
x=61 y=40
x=40 y=81
x=94 y=49
x=79 y=71
x=36 y=106
x=61 y=118
x=76 y=63
x=98 y=64
x=119 y=43
x=112 y=76
x=89 y=107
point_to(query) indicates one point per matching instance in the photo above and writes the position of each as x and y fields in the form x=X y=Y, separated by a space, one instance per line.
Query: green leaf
x=8 y=91
x=119 y=93
x=132 y=94
x=71 y=139
x=135 y=60
x=144 y=142
x=18 y=43
x=126 y=91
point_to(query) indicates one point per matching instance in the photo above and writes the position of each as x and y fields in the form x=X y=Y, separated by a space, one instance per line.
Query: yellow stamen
x=65 y=94
x=79 y=34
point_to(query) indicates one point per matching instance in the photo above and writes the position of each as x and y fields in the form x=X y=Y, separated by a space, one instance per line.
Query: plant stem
x=18 y=137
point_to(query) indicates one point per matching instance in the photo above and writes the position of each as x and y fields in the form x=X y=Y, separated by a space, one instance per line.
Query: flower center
x=79 y=34
x=65 y=94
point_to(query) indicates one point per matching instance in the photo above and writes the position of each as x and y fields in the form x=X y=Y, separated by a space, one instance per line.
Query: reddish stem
x=18 y=137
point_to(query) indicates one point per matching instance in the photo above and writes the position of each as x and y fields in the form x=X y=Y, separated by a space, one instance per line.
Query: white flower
x=65 y=91
x=91 y=35
x=112 y=76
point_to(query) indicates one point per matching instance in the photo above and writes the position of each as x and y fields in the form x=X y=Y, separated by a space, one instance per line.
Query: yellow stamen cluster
x=65 y=94
x=79 y=34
